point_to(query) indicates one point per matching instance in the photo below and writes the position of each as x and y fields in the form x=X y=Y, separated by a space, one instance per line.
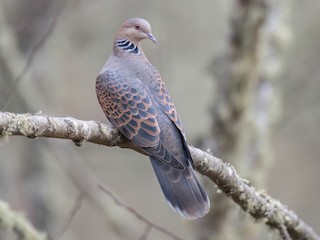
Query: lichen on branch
x=258 y=204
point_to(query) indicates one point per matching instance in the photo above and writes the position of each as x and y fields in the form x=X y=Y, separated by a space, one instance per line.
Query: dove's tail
x=181 y=189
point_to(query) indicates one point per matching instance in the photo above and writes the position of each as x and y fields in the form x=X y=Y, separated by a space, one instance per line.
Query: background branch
x=258 y=204
x=13 y=222
x=245 y=107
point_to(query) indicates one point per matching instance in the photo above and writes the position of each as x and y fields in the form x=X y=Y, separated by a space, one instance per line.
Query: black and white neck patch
x=128 y=46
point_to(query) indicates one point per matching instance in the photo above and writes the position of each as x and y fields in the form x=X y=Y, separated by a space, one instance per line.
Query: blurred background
x=265 y=122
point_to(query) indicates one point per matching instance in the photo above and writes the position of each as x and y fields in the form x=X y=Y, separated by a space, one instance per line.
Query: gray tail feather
x=182 y=189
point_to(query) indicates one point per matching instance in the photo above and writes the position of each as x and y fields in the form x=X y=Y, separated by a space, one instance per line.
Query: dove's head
x=135 y=30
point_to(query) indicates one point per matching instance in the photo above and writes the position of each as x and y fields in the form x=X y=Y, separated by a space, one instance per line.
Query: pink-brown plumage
x=135 y=100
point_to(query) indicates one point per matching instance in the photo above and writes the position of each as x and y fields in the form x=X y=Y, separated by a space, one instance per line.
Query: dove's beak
x=152 y=38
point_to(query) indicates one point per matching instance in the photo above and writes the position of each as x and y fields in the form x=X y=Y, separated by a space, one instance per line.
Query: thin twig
x=88 y=185
x=145 y=233
x=75 y=208
x=35 y=48
x=138 y=215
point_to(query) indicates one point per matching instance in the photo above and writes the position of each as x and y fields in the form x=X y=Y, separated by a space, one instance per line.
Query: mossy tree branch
x=13 y=222
x=258 y=204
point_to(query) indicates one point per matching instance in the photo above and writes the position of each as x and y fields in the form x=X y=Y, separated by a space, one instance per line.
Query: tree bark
x=258 y=204
x=245 y=107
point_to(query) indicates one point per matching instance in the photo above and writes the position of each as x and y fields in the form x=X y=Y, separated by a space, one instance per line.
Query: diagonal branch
x=259 y=205
x=35 y=48
x=14 y=222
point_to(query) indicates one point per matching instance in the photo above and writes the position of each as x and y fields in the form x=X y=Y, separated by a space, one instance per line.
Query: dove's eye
x=137 y=27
